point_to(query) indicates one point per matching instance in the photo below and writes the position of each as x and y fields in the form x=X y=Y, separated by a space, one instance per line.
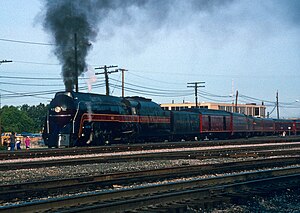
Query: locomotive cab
x=153 y=122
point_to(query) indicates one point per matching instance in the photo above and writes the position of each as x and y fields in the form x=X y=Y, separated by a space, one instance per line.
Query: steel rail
x=4 y=155
x=21 y=190
x=164 y=194
x=259 y=151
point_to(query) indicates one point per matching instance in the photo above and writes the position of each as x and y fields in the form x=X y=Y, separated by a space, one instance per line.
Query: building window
x=262 y=112
x=221 y=107
x=229 y=108
x=249 y=111
x=256 y=111
x=243 y=110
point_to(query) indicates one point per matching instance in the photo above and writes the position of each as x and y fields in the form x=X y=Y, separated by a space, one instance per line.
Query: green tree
x=37 y=114
x=13 y=119
x=23 y=118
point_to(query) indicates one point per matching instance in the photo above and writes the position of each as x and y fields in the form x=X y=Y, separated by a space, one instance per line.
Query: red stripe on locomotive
x=121 y=119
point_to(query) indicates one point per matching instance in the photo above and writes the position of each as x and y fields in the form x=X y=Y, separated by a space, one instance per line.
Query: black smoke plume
x=65 y=18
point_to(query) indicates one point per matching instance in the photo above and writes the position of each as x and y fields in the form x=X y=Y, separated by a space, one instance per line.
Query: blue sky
x=249 y=46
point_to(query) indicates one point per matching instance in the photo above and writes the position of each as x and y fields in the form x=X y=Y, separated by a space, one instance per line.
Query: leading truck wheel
x=97 y=139
x=107 y=139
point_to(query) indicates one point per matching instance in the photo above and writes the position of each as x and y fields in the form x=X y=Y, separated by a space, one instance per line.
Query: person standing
x=12 y=141
x=5 y=144
x=18 y=143
x=27 y=142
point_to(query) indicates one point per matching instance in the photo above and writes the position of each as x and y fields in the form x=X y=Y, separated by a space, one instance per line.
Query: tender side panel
x=122 y=119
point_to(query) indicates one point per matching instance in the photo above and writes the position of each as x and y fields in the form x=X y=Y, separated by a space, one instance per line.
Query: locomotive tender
x=82 y=119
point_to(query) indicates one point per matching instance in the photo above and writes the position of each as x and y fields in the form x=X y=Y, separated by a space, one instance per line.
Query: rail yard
x=146 y=106
x=156 y=177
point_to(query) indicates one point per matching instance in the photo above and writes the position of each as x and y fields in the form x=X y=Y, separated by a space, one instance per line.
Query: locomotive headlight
x=57 y=109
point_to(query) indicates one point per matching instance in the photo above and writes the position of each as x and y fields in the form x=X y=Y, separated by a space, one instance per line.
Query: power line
x=5 y=61
x=155 y=92
x=36 y=78
x=255 y=99
x=151 y=88
x=26 y=42
x=13 y=94
x=133 y=88
x=30 y=78
x=36 y=63
x=28 y=84
x=143 y=77
x=34 y=84
x=212 y=99
x=204 y=94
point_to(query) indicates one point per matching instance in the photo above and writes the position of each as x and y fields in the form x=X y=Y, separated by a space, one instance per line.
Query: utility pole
x=236 y=100
x=196 y=86
x=75 y=62
x=277 y=104
x=0 y=121
x=1 y=62
x=123 y=82
x=106 y=72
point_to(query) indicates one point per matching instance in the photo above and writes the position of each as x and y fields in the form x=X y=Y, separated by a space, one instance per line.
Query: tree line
x=23 y=118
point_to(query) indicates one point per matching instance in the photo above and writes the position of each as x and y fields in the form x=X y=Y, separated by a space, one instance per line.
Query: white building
x=248 y=109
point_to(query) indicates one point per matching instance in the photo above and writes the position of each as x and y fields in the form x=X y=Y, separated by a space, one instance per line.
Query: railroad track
x=36 y=153
x=168 y=195
x=258 y=150
x=21 y=190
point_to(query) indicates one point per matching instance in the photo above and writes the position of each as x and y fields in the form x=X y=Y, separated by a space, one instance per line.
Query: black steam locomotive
x=81 y=119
